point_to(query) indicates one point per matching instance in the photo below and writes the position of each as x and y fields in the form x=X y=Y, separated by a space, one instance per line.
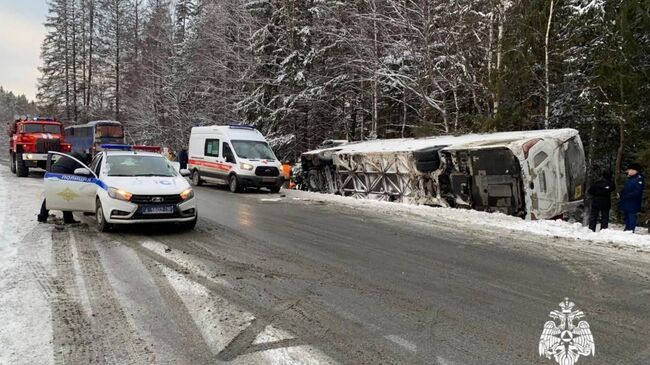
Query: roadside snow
x=25 y=267
x=488 y=221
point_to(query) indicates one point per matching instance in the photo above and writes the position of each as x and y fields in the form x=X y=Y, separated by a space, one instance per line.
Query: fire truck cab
x=31 y=139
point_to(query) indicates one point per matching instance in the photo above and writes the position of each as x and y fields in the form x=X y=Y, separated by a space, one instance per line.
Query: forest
x=308 y=70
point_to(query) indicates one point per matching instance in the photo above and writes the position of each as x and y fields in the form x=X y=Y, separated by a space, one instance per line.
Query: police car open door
x=69 y=191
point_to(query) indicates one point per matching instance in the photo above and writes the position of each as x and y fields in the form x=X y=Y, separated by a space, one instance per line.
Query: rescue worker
x=631 y=196
x=286 y=173
x=63 y=165
x=183 y=158
x=601 y=201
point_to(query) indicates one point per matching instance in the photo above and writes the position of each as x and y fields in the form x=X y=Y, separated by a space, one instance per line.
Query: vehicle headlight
x=119 y=194
x=187 y=194
x=246 y=166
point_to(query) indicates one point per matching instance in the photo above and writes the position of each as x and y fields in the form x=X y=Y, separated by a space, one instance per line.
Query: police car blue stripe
x=77 y=178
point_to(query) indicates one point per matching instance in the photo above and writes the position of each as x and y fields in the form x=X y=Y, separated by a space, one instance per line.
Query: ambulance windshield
x=253 y=150
x=135 y=165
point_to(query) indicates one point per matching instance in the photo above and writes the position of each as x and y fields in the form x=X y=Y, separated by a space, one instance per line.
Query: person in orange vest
x=286 y=172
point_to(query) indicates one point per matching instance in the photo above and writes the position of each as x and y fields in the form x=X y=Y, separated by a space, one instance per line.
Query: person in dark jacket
x=601 y=201
x=183 y=158
x=632 y=196
x=63 y=165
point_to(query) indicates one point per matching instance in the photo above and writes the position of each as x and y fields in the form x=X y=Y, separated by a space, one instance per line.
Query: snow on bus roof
x=465 y=141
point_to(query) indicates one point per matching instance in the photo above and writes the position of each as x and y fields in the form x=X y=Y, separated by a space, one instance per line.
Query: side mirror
x=82 y=171
x=185 y=172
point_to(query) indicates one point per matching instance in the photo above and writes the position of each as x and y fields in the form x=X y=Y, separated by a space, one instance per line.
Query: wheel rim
x=195 y=178
x=233 y=183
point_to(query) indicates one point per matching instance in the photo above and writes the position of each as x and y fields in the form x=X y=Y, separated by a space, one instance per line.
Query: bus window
x=110 y=131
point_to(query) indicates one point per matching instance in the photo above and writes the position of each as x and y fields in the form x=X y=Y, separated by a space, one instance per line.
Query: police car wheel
x=196 y=178
x=102 y=225
x=234 y=184
x=275 y=189
x=188 y=226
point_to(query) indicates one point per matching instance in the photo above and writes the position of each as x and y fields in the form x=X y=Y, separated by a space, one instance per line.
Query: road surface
x=269 y=278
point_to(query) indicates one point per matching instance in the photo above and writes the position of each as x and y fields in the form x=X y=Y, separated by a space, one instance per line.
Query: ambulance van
x=234 y=155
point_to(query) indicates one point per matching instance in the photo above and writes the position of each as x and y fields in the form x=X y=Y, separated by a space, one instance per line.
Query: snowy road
x=293 y=279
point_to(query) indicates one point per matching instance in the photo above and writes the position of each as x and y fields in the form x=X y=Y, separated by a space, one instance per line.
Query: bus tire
x=21 y=168
x=196 y=178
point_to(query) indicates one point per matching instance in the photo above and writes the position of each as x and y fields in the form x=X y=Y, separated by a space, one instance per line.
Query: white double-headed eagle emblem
x=563 y=340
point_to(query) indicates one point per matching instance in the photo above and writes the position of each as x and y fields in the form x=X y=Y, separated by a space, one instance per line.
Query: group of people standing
x=629 y=203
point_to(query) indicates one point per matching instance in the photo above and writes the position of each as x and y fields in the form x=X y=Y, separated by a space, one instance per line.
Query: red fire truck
x=31 y=139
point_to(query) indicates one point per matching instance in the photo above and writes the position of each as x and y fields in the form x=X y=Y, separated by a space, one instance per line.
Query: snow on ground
x=489 y=221
x=25 y=266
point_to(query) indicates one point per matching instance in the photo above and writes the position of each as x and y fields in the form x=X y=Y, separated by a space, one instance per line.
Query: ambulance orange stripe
x=214 y=165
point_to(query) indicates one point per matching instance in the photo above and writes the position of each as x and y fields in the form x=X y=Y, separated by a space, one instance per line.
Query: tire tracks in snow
x=104 y=335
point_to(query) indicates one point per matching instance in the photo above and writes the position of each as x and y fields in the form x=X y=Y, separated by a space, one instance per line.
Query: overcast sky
x=21 y=34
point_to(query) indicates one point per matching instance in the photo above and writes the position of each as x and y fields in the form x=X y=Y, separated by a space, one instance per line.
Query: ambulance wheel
x=233 y=184
x=21 y=169
x=196 y=178
x=102 y=225
x=12 y=164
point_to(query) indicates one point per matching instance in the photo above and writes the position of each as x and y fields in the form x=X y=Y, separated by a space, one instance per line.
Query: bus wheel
x=196 y=178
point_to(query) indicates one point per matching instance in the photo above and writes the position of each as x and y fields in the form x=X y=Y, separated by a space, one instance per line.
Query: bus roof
x=94 y=123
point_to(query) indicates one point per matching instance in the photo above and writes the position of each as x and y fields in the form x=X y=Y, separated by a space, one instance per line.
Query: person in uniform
x=67 y=166
x=601 y=201
x=183 y=158
x=631 y=196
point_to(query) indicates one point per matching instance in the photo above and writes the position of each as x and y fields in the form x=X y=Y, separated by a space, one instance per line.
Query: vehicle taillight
x=528 y=145
x=66 y=147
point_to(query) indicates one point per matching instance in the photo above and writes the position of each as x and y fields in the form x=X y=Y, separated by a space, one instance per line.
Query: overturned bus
x=530 y=174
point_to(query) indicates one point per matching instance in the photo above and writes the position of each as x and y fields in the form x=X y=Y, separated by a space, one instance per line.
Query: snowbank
x=489 y=221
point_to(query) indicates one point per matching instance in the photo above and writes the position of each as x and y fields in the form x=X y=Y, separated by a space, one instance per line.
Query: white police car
x=124 y=186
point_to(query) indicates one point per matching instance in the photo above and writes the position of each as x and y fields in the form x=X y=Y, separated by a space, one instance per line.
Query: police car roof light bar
x=242 y=126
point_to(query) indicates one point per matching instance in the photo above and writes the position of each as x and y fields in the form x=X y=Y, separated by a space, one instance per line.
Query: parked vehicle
x=31 y=139
x=124 y=185
x=533 y=174
x=88 y=138
x=234 y=155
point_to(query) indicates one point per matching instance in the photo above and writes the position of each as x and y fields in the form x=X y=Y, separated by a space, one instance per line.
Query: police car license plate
x=268 y=179
x=157 y=209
